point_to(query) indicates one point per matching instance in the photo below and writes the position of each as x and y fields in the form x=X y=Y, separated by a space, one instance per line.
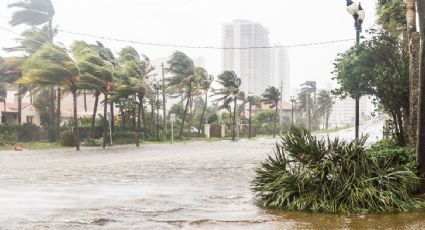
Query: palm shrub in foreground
x=333 y=176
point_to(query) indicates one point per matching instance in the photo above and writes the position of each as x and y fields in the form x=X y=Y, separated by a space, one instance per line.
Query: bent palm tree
x=96 y=74
x=272 y=97
x=51 y=66
x=324 y=106
x=205 y=86
x=182 y=81
x=37 y=13
x=135 y=70
x=229 y=92
x=10 y=72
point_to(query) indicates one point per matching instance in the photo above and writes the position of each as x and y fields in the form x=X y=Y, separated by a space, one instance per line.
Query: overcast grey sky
x=198 y=22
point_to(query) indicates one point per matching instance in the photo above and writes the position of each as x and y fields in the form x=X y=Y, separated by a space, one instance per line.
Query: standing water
x=188 y=186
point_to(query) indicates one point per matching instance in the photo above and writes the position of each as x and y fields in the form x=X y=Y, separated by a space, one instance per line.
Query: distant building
x=258 y=68
x=280 y=71
x=343 y=112
x=253 y=66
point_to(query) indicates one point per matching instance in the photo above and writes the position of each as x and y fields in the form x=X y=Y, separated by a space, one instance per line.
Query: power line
x=187 y=46
x=203 y=47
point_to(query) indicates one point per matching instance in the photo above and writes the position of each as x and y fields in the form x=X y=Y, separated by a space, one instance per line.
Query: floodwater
x=180 y=186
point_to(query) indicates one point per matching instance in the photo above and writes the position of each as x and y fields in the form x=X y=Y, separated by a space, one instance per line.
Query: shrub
x=93 y=142
x=122 y=138
x=333 y=176
x=67 y=139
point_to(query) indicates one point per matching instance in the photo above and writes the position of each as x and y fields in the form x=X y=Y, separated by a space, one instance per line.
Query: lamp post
x=250 y=95
x=292 y=109
x=359 y=15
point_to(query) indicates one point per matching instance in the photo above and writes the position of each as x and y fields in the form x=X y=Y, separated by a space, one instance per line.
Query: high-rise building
x=252 y=65
x=246 y=51
x=280 y=71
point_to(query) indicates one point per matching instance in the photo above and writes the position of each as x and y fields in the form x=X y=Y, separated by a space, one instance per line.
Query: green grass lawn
x=33 y=146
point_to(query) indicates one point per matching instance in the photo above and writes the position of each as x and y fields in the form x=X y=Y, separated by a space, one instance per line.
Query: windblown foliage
x=334 y=176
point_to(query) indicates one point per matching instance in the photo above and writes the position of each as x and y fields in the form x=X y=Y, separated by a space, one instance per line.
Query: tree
x=307 y=103
x=36 y=13
x=96 y=74
x=205 y=86
x=379 y=67
x=182 y=81
x=51 y=66
x=324 y=106
x=272 y=97
x=135 y=70
x=420 y=149
x=10 y=72
x=229 y=92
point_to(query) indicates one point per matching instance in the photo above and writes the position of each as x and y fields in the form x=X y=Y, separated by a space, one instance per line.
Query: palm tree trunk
x=140 y=105
x=327 y=118
x=19 y=105
x=112 y=117
x=52 y=133
x=105 y=123
x=203 y=113
x=420 y=149
x=76 y=133
x=275 y=121
x=142 y=97
x=58 y=105
x=234 y=119
x=185 y=110
x=85 y=100
x=93 y=119
x=414 y=46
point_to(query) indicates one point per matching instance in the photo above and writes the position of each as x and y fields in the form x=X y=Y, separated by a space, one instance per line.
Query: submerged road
x=188 y=186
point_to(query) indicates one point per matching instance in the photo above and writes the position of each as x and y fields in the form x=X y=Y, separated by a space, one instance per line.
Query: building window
x=29 y=119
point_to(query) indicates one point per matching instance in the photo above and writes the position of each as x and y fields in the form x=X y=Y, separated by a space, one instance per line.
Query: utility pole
x=164 y=110
x=157 y=111
x=281 y=108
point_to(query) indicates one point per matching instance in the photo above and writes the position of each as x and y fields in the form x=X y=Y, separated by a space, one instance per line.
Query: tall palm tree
x=229 y=92
x=135 y=70
x=10 y=72
x=38 y=13
x=50 y=66
x=182 y=81
x=96 y=75
x=324 y=106
x=205 y=86
x=272 y=97
x=420 y=149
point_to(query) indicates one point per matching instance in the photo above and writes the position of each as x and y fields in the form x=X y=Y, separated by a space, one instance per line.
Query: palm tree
x=272 y=97
x=420 y=149
x=10 y=72
x=50 y=66
x=324 y=105
x=135 y=70
x=37 y=13
x=308 y=88
x=33 y=13
x=205 y=86
x=96 y=74
x=182 y=81
x=229 y=92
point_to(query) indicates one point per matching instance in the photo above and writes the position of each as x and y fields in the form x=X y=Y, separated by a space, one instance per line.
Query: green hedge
x=67 y=139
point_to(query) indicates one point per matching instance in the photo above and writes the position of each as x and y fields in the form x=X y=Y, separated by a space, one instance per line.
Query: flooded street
x=188 y=186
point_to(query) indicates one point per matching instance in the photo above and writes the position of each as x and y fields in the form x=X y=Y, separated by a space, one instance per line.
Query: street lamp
x=292 y=110
x=359 y=15
x=250 y=96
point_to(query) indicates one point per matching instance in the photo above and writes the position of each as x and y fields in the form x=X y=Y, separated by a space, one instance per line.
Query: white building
x=343 y=112
x=280 y=70
x=252 y=65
